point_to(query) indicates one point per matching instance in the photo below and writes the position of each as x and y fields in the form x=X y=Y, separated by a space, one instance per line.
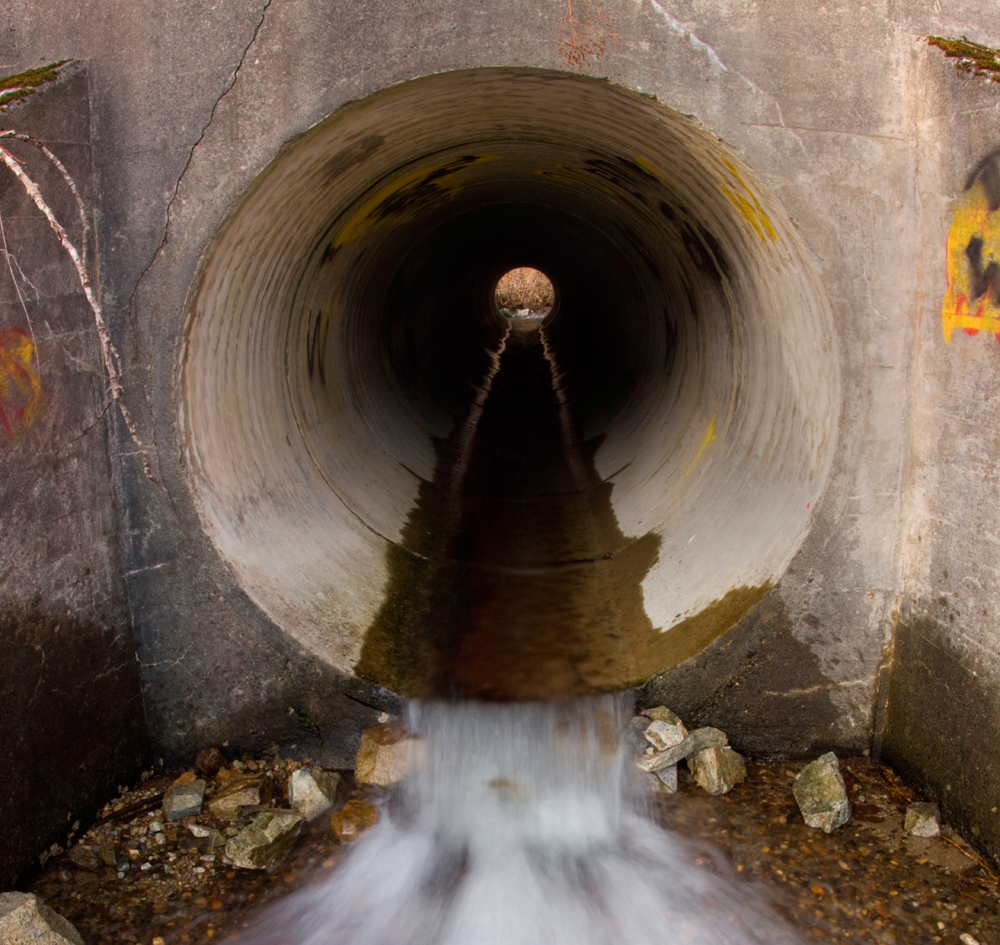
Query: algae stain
x=14 y=88
x=973 y=58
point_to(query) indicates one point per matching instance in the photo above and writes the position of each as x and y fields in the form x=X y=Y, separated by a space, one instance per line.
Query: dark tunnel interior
x=430 y=496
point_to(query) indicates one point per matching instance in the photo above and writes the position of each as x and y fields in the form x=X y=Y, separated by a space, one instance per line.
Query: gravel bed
x=868 y=881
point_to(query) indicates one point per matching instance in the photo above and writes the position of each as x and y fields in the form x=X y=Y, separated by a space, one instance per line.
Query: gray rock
x=311 y=791
x=662 y=734
x=266 y=842
x=667 y=778
x=820 y=793
x=698 y=740
x=26 y=920
x=718 y=770
x=183 y=800
x=923 y=820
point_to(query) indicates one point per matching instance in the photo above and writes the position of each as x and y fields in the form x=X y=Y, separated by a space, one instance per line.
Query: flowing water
x=518 y=827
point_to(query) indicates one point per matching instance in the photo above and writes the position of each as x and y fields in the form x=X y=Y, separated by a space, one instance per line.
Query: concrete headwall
x=71 y=713
x=881 y=634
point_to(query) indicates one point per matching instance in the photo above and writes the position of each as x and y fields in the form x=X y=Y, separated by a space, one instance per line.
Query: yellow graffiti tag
x=20 y=388
x=972 y=299
x=408 y=196
x=751 y=209
x=709 y=436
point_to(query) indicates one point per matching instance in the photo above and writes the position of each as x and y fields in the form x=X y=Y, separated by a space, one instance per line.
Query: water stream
x=518 y=826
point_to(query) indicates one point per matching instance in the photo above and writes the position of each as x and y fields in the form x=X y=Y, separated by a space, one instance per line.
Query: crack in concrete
x=187 y=164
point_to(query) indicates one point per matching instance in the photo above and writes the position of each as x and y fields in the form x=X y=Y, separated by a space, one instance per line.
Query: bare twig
x=59 y=166
x=109 y=353
x=17 y=289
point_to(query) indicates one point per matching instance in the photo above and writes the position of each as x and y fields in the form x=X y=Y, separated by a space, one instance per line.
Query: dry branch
x=109 y=353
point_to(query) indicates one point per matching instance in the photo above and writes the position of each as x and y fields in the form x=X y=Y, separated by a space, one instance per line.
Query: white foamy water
x=517 y=829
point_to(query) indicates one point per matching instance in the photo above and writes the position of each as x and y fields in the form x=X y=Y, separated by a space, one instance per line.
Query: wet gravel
x=867 y=882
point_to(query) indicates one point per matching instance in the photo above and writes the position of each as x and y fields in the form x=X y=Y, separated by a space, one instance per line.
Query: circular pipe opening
x=425 y=496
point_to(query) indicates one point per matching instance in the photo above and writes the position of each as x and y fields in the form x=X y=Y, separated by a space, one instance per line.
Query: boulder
x=923 y=820
x=267 y=840
x=26 y=920
x=255 y=791
x=718 y=770
x=353 y=819
x=698 y=740
x=183 y=800
x=312 y=791
x=820 y=793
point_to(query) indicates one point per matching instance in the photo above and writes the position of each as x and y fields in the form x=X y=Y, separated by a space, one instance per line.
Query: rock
x=384 y=755
x=254 y=791
x=634 y=735
x=667 y=780
x=923 y=820
x=214 y=837
x=85 y=859
x=107 y=851
x=698 y=740
x=210 y=761
x=663 y=735
x=821 y=795
x=353 y=819
x=183 y=800
x=660 y=713
x=26 y=920
x=227 y=776
x=266 y=842
x=718 y=770
x=312 y=791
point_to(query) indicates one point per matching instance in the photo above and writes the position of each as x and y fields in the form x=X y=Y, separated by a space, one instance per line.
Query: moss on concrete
x=13 y=88
x=971 y=57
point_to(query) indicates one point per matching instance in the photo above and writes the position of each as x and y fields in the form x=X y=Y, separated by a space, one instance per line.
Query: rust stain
x=20 y=387
x=585 y=32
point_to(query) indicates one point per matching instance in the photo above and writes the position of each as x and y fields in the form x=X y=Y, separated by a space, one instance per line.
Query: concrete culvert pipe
x=430 y=495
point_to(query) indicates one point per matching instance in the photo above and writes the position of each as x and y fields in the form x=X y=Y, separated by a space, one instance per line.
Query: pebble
x=210 y=761
x=718 y=770
x=698 y=740
x=26 y=920
x=922 y=820
x=183 y=800
x=255 y=791
x=820 y=793
x=267 y=840
x=312 y=791
x=353 y=819
x=384 y=755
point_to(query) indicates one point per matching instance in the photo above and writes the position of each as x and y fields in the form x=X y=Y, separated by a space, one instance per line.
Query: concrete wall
x=864 y=133
x=71 y=714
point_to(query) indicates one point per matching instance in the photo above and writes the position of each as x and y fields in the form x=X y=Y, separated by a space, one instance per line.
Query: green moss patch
x=13 y=88
x=971 y=57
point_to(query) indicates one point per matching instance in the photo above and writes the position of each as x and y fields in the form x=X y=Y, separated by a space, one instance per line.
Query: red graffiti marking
x=20 y=388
